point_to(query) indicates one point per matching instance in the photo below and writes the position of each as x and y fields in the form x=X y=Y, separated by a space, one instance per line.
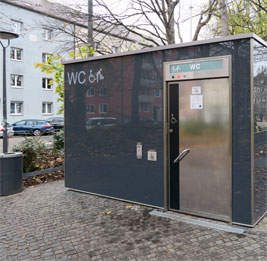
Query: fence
x=41 y=172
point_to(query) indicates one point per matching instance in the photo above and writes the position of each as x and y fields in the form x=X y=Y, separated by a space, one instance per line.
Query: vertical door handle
x=181 y=155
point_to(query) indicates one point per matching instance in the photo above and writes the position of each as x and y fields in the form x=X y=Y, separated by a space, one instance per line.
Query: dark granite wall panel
x=241 y=133
x=110 y=105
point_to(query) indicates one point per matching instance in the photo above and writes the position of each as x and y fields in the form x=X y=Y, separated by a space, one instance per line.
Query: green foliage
x=33 y=150
x=38 y=155
x=244 y=17
x=59 y=141
x=54 y=67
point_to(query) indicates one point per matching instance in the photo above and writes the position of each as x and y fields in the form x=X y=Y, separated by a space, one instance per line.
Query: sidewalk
x=49 y=222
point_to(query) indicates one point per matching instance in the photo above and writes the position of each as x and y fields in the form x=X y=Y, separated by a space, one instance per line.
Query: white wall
x=30 y=40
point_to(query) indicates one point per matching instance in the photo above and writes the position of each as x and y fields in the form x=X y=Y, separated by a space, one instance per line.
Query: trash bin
x=11 y=169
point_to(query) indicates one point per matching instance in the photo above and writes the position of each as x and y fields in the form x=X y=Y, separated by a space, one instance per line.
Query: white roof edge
x=172 y=46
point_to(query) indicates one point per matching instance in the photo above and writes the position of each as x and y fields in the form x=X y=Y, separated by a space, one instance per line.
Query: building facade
x=30 y=93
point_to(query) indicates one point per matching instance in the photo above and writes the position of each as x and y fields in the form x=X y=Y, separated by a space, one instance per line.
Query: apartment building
x=29 y=92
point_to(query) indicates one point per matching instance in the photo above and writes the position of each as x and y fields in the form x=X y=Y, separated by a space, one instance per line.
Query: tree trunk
x=90 y=25
x=170 y=26
x=224 y=17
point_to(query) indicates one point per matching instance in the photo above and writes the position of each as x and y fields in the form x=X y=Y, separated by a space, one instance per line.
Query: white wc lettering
x=195 y=66
x=81 y=77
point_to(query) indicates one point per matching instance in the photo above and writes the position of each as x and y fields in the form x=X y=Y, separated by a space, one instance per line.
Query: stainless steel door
x=204 y=136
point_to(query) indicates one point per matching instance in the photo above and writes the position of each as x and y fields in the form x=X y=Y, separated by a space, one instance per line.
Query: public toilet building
x=180 y=127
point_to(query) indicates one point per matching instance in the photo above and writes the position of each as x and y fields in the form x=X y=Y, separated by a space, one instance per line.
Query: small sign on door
x=196 y=90
x=196 y=102
x=139 y=150
x=151 y=155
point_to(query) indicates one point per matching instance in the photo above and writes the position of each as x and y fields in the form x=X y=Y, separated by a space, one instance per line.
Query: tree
x=53 y=67
x=153 y=20
x=71 y=26
x=243 y=17
x=131 y=24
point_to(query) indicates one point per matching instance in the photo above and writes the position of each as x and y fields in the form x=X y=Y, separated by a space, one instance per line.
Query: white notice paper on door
x=196 y=90
x=196 y=102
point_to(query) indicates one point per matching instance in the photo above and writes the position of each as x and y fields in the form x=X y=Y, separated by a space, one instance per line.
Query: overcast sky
x=185 y=12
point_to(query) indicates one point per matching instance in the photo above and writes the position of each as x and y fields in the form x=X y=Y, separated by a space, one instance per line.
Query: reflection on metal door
x=203 y=153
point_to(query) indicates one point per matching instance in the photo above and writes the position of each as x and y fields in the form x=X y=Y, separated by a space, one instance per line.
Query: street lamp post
x=6 y=36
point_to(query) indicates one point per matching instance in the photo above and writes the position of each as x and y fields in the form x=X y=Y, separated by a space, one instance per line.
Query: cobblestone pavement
x=48 y=222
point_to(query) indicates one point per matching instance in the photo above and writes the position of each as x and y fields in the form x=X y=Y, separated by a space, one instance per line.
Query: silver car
x=100 y=121
x=10 y=131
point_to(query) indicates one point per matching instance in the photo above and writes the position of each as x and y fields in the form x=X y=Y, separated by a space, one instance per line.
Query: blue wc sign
x=197 y=66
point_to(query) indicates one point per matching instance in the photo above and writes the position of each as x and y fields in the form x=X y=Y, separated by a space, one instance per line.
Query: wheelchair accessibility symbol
x=151 y=155
x=95 y=77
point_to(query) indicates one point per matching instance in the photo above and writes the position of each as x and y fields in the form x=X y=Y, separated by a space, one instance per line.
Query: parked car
x=32 y=127
x=100 y=121
x=56 y=122
x=10 y=131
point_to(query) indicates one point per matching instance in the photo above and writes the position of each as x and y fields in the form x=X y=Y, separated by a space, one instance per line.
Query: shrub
x=33 y=149
x=59 y=141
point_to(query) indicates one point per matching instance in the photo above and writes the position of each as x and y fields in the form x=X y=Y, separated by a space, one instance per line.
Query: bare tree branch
x=202 y=23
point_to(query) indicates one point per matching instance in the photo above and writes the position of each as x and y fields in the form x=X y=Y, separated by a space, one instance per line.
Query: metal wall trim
x=119 y=199
x=242 y=224
x=252 y=129
x=231 y=136
x=260 y=218
x=165 y=147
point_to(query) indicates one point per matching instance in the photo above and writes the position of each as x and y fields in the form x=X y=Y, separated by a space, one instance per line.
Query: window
x=45 y=57
x=157 y=93
x=90 y=108
x=98 y=46
x=168 y=51
x=47 y=34
x=16 y=54
x=145 y=107
x=16 y=80
x=103 y=91
x=91 y=92
x=144 y=92
x=16 y=27
x=115 y=49
x=46 y=84
x=102 y=108
x=31 y=122
x=158 y=62
x=47 y=107
x=21 y=123
x=16 y=108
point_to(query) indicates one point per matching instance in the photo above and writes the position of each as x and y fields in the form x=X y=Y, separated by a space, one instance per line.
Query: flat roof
x=171 y=46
